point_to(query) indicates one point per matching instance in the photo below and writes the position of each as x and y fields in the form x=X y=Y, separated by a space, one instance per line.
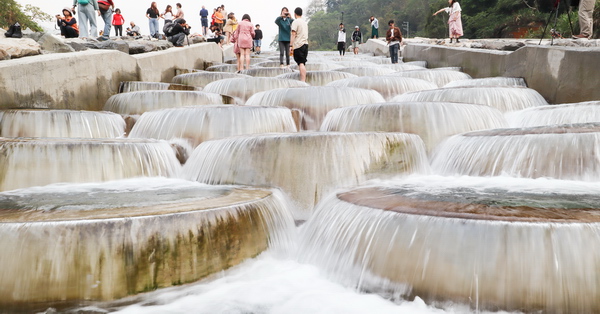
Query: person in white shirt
x=299 y=42
x=454 y=21
x=341 y=41
x=374 y=27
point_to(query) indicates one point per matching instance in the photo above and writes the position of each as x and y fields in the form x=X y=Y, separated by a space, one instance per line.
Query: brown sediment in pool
x=470 y=206
x=554 y=129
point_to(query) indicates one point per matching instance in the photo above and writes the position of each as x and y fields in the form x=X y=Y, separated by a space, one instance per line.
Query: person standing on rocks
x=356 y=39
x=87 y=17
x=454 y=21
x=68 y=24
x=118 y=22
x=106 y=12
x=393 y=38
x=168 y=14
x=284 y=21
x=374 y=27
x=179 y=14
x=152 y=14
x=586 y=20
x=341 y=40
x=243 y=39
x=300 y=42
x=204 y=20
x=258 y=36
x=219 y=19
x=230 y=27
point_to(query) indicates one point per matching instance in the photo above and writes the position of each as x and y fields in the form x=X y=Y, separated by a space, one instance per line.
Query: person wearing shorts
x=204 y=19
x=356 y=39
x=258 y=35
x=299 y=42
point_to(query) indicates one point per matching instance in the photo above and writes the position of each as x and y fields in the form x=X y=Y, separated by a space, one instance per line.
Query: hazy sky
x=261 y=12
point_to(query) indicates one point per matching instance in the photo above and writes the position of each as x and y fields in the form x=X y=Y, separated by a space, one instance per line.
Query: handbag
x=103 y=6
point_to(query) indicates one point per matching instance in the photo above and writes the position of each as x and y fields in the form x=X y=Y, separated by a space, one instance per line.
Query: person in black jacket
x=257 y=39
x=356 y=39
x=178 y=33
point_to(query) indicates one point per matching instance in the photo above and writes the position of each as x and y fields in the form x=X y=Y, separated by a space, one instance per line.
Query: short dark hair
x=341 y=24
x=178 y=5
x=180 y=21
x=391 y=22
x=298 y=11
x=257 y=25
x=246 y=17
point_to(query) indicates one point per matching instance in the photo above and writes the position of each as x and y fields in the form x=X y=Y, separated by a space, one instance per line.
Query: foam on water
x=584 y=112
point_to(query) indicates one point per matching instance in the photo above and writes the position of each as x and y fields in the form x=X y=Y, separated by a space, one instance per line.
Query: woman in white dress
x=454 y=21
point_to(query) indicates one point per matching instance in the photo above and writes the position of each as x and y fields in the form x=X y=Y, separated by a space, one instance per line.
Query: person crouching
x=179 y=32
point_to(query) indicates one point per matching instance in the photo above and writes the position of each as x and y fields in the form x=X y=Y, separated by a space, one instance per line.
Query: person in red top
x=118 y=22
x=106 y=8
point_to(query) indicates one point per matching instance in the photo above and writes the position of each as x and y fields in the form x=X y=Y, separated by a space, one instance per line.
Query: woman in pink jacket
x=243 y=36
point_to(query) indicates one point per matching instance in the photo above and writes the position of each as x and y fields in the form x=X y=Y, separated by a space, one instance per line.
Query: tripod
x=553 y=32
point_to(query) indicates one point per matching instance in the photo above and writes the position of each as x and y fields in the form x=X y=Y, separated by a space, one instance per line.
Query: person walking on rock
x=152 y=14
x=243 y=39
x=204 y=20
x=393 y=38
x=284 y=22
x=454 y=21
x=586 y=21
x=106 y=8
x=230 y=27
x=374 y=27
x=87 y=17
x=356 y=39
x=300 y=42
x=118 y=22
x=341 y=40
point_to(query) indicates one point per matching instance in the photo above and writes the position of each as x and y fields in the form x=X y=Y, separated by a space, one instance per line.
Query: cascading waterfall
x=267 y=64
x=568 y=152
x=243 y=88
x=134 y=86
x=199 y=124
x=306 y=166
x=223 y=68
x=70 y=243
x=322 y=66
x=387 y=86
x=366 y=71
x=511 y=244
x=502 y=98
x=432 y=121
x=584 y=112
x=201 y=79
x=438 y=77
x=490 y=81
x=318 y=78
x=136 y=103
x=31 y=162
x=315 y=101
x=266 y=72
x=61 y=123
x=403 y=67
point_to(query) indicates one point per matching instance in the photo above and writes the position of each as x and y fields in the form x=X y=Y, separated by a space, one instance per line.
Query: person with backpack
x=88 y=9
x=118 y=22
x=356 y=39
x=106 y=8
x=177 y=31
x=68 y=24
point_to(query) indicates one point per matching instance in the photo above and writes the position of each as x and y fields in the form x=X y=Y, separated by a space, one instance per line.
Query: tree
x=13 y=12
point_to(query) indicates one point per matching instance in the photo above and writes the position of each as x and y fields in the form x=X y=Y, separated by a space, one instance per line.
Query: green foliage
x=13 y=12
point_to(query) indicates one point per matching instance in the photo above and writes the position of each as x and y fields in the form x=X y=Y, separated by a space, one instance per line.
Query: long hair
x=154 y=8
x=169 y=8
x=453 y=2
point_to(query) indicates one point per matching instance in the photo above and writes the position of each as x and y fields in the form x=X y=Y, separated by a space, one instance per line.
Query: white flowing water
x=316 y=101
x=199 y=124
x=243 y=88
x=404 y=67
x=366 y=71
x=40 y=161
x=223 y=68
x=318 y=78
x=135 y=86
x=489 y=81
x=432 y=121
x=502 y=98
x=306 y=166
x=438 y=77
x=61 y=123
x=266 y=72
x=136 y=103
x=584 y=112
x=201 y=79
x=387 y=86
x=569 y=152
x=323 y=66
x=513 y=244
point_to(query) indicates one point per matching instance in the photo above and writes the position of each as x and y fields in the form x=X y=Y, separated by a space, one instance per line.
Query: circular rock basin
x=387 y=86
x=201 y=79
x=561 y=151
x=583 y=112
x=318 y=78
x=266 y=72
x=438 y=77
x=69 y=243
x=366 y=71
x=306 y=166
x=243 y=88
x=60 y=123
x=134 y=86
x=136 y=103
x=512 y=244
x=26 y=162
x=489 y=81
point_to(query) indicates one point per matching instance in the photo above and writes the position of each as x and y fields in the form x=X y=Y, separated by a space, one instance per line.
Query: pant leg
x=394 y=53
x=586 y=10
x=70 y=32
x=107 y=17
x=178 y=39
x=153 y=27
x=91 y=16
x=118 y=30
x=281 y=52
x=286 y=44
x=83 y=21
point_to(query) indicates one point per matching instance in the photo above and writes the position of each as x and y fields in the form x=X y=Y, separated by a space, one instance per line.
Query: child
x=257 y=39
x=118 y=22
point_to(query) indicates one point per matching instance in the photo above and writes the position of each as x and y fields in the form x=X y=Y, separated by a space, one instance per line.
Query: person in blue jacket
x=284 y=21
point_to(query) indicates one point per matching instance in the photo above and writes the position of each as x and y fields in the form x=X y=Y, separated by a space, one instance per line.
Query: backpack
x=168 y=29
x=83 y=1
x=14 y=31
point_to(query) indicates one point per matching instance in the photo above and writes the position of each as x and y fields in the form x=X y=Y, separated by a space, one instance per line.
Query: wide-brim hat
x=67 y=9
